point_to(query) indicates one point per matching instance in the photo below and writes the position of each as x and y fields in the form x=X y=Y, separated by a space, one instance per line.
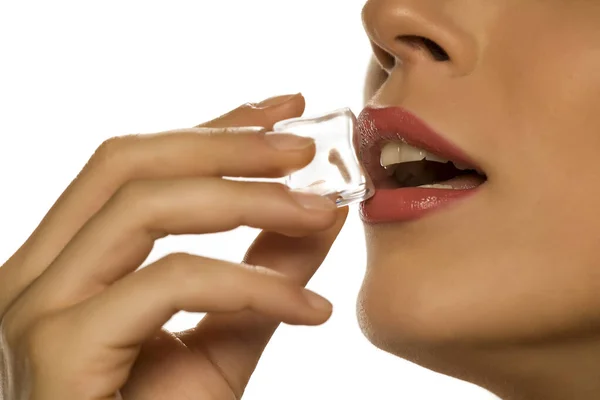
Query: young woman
x=489 y=273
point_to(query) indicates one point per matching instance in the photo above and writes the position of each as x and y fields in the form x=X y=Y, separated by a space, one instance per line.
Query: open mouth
x=414 y=169
x=408 y=166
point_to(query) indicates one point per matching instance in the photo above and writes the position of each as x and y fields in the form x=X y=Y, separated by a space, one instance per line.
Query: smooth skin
x=502 y=289
x=81 y=321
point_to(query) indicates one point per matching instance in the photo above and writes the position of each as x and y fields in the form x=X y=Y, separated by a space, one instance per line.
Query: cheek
x=545 y=92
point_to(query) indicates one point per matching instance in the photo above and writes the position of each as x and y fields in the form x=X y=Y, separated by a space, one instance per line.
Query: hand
x=80 y=321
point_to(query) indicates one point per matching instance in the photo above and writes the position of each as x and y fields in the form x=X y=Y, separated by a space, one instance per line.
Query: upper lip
x=378 y=126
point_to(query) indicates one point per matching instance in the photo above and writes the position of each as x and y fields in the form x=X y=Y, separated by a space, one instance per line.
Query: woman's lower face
x=516 y=87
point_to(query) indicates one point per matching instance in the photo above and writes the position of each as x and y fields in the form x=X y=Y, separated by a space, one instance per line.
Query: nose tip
x=417 y=31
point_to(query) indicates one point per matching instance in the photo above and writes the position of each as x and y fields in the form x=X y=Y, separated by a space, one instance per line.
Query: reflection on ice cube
x=335 y=171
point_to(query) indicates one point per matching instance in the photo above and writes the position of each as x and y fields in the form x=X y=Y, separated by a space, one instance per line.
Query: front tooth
x=390 y=154
x=410 y=153
x=433 y=157
x=436 y=186
x=396 y=153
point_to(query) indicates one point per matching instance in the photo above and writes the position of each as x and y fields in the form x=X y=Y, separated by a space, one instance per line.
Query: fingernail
x=276 y=101
x=285 y=141
x=312 y=201
x=317 y=302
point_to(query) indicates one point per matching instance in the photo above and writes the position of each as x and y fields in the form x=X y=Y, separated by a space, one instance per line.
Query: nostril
x=435 y=50
x=385 y=59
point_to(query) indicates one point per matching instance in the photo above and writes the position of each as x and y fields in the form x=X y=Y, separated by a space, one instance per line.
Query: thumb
x=265 y=114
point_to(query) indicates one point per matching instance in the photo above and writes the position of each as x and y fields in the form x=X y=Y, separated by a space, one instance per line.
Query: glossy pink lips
x=378 y=126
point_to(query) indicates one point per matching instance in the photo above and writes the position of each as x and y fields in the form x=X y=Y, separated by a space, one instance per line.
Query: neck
x=551 y=371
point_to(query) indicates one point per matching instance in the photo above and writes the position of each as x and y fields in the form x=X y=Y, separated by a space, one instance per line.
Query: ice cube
x=335 y=172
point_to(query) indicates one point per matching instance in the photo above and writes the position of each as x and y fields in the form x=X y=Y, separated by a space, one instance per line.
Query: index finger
x=264 y=114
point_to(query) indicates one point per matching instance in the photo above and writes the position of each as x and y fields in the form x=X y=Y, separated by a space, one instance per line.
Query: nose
x=409 y=32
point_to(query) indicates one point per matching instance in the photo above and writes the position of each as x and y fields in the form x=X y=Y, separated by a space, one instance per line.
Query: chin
x=432 y=284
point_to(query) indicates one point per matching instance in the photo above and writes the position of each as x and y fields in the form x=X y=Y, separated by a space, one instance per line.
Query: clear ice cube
x=335 y=172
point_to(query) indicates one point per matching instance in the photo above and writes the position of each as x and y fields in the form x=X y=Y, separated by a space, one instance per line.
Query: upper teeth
x=398 y=152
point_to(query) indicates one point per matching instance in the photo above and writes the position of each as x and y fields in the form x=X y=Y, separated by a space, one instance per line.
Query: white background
x=74 y=73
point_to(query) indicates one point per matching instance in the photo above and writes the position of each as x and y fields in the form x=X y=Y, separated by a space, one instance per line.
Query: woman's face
x=518 y=260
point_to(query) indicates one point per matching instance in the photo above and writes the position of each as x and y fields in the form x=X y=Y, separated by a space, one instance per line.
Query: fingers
x=134 y=308
x=298 y=258
x=265 y=114
x=245 y=152
x=208 y=150
x=120 y=237
x=111 y=327
x=236 y=341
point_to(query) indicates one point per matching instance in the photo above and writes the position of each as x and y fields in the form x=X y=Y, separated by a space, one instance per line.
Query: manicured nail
x=276 y=101
x=313 y=202
x=285 y=141
x=317 y=302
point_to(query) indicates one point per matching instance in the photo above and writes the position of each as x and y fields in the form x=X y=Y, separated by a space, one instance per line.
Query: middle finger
x=120 y=237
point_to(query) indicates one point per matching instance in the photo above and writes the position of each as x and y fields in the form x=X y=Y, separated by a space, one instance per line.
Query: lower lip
x=407 y=204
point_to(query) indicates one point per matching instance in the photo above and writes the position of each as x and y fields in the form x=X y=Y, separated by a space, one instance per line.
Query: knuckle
x=178 y=267
x=251 y=276
x=111 y=150
x=178 y=258
x=131 y=195
x=262 y=271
